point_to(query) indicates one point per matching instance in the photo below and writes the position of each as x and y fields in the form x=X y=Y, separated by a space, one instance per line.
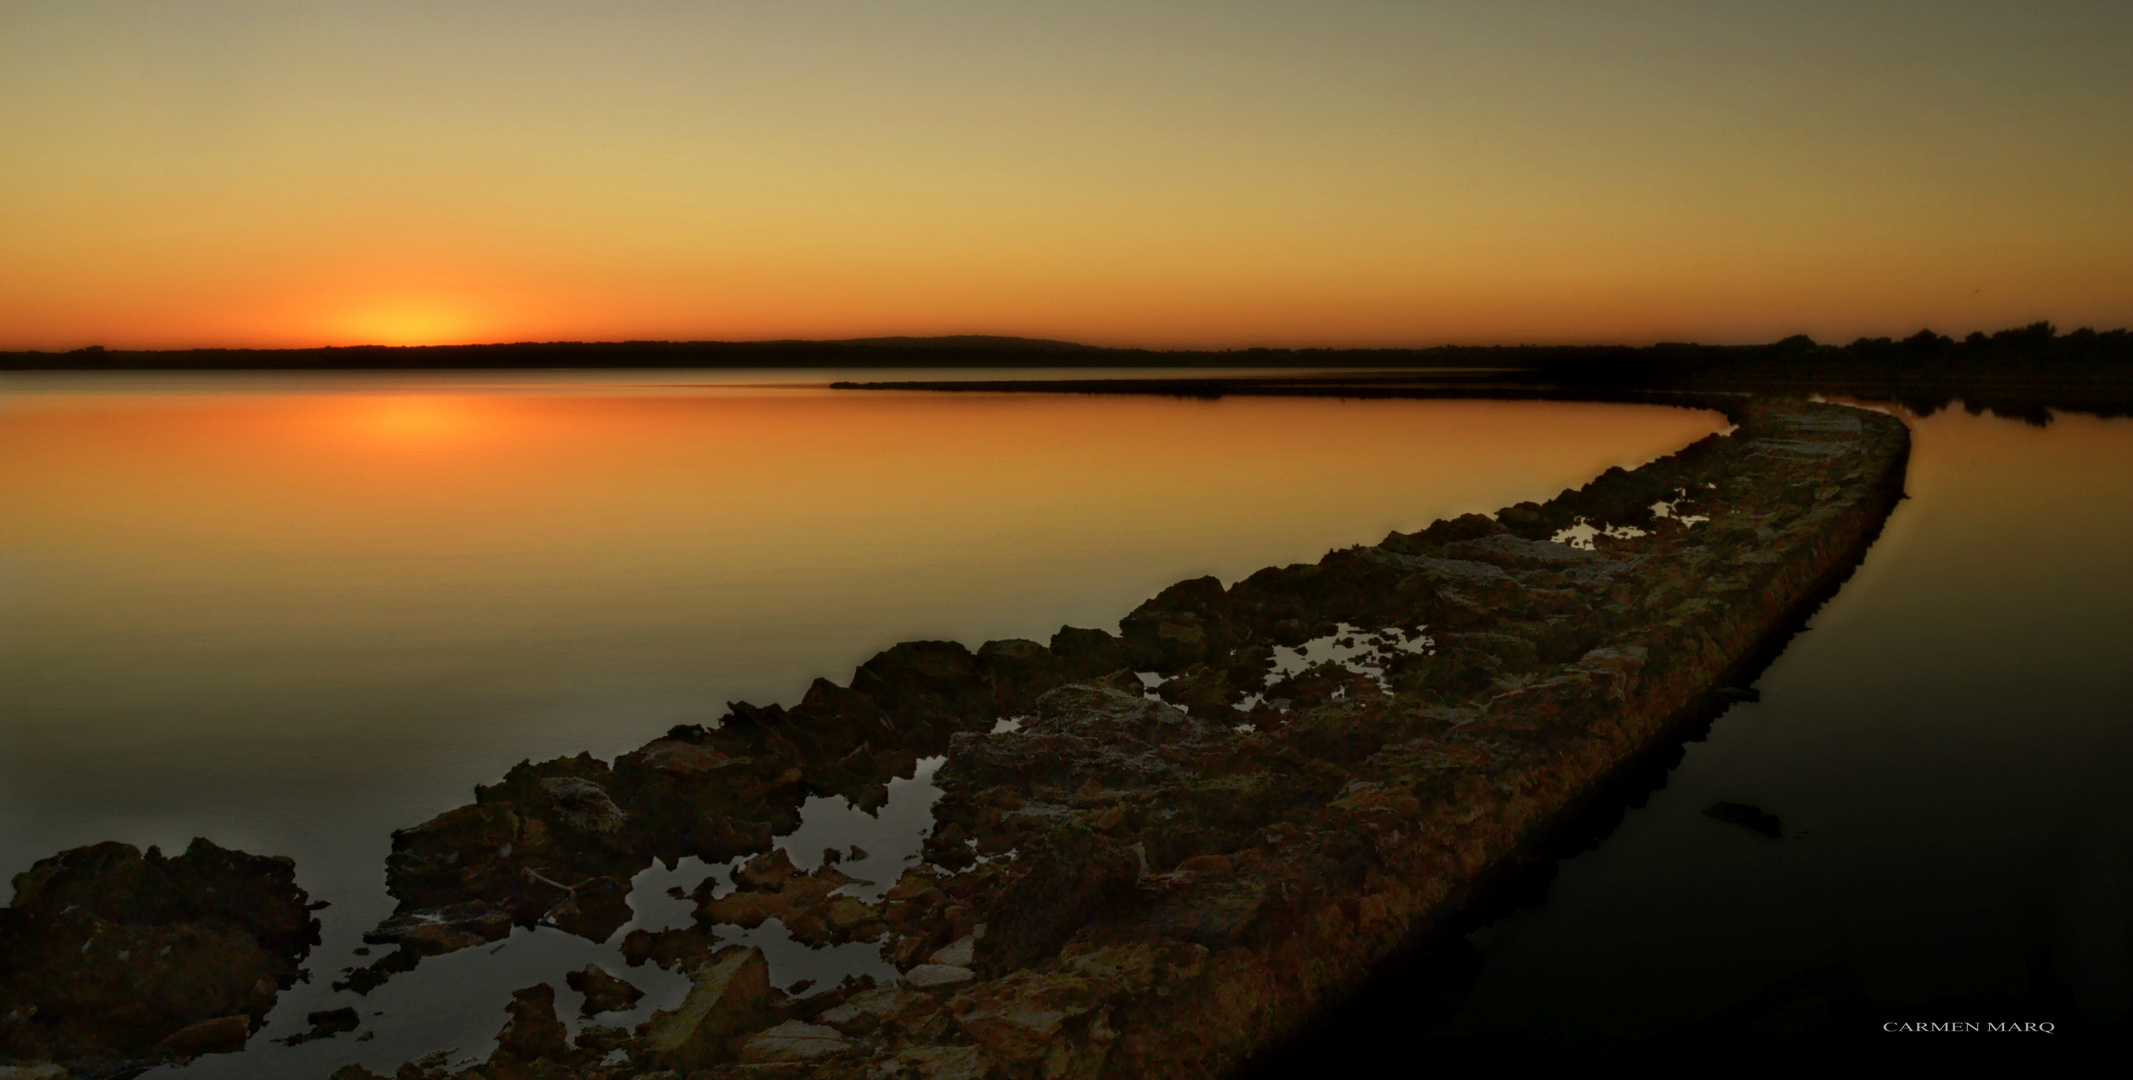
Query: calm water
x=1950 y=750
x=292 y=614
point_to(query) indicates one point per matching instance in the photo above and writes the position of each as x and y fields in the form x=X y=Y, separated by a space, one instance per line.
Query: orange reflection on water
x=298 y=618
x=225 y=561
x=425 y=419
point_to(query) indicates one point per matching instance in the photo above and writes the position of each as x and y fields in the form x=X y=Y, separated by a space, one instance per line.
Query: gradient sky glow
x=285 y=172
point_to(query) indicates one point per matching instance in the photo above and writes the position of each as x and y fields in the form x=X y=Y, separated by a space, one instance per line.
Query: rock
x=726 y=997
x=944 y=1063
x=594 y=909
x=1015 y=1022
x=111 y=955
x=849 y=917
x=533 y=1032
x=1180 y=626
x=1085 y=654
x=1063 y=876
x=931 y=975
x=959 y=953
x=767 y=872
x=325 y=1025
x=793 y=1040
x=680 y=949
x=342 y=1019
x=1751 y=818
x=603 y=992
x=870 y=1009
x=221 y=1035
x=935 y=684
x=40 y=1071
x=442 y=930
x=770 y=887
x=600 y=1038
x=687 y=758
x=1212 y=914
x=583 y=804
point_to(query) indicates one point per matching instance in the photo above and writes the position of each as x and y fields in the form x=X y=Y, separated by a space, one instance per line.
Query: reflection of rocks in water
x=1154 y=853
x=111 y=959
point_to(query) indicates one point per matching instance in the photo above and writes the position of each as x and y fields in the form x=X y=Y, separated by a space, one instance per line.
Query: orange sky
x=229 y=172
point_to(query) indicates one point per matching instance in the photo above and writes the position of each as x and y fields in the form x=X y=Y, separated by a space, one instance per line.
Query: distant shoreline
x=951 y=352
x=2027 y=371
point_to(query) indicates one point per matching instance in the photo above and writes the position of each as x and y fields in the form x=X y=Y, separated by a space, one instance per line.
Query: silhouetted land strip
x=2021 y=372
x=949 y=352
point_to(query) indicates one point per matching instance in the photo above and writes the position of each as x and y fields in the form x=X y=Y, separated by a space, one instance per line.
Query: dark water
x=1949 y=750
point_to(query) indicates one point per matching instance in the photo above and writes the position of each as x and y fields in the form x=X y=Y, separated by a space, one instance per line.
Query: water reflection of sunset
x=428 y=419
x=577 y=512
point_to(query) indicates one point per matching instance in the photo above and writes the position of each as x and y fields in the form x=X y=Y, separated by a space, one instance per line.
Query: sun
x=411 y=323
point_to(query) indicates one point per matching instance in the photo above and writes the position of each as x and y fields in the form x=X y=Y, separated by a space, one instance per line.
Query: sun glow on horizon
x=418 y=322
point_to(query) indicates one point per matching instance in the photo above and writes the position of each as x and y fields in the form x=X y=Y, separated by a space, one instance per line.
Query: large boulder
x=727 y=996
x=112 y=955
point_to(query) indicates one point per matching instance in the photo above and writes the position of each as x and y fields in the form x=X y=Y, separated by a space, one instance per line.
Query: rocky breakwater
x=112 y=960
x=1157 y=853
x=556 y=843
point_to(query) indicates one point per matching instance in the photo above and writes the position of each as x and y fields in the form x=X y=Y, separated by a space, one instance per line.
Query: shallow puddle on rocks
x=427 y=1010
x=1581 y=535
x=822 y=968
x=890 y=840
x=1351 y=648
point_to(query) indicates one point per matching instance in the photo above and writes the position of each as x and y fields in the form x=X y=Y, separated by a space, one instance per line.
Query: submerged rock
x=325 y=1024
x=1751 y=818
x=603 y=992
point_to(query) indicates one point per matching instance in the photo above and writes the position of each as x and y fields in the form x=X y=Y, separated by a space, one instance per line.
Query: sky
x=1154 y=173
